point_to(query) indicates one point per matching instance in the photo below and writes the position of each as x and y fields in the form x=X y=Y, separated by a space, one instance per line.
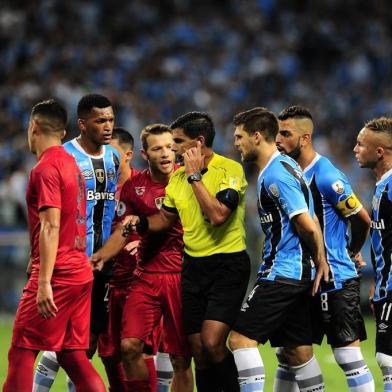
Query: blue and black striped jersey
x=381 y=235
x=101 y=175
x=282 y=194
x=334 y=203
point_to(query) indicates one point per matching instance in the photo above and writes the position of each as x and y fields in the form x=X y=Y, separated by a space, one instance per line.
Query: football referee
x=208 y=195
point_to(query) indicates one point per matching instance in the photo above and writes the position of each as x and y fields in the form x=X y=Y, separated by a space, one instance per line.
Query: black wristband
x=142 y=226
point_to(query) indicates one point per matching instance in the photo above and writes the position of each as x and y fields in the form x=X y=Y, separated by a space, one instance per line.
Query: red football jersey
x=56 y=181
x=158 y=252
x=124 y=263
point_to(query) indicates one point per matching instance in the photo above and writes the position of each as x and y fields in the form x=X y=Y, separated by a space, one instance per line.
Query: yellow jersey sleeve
x=234 y=178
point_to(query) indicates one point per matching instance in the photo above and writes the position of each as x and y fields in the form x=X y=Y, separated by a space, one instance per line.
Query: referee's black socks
x=222 y=376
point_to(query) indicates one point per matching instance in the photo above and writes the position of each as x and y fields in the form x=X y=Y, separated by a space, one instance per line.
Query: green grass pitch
x=333 y=376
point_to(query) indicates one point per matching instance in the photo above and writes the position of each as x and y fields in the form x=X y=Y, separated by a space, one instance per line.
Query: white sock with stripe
x=284 y=377
x=45 y=372
x=359 y=378
x=385 y=363
x=250 y=369
x=308 y=376
x=164 y=371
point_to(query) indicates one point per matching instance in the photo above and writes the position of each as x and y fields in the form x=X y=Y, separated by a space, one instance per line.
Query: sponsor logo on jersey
x=100 y=175
x=111 y=174
x=91 y=195
x=338 y=187
x=159 y=202
x=266 y=219
x=140 y=190
x=87 y=174
x=274 y=190
x=378 y=225
x=121 y=208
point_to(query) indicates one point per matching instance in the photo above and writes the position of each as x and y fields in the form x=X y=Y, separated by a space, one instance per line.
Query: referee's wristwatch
x=195 y=177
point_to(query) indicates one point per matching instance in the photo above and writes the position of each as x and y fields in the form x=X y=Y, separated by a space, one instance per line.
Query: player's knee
x=238 y=341
x=131 y=348
x=212 y=344
x=180 y=364
x=384 y=360
x=297 y=356
x=281 y=356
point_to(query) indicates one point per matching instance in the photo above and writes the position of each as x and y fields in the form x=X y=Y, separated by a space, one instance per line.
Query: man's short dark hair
x=90 y=101
x=295 y=111
x=381 y=124
x=152 y=129
x=51 y=115
x=195 y=124
x=123 y=137
x=258 y=119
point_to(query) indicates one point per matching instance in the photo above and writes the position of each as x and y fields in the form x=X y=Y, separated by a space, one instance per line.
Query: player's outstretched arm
x=112 y=246
x=309 y=231
x=48 y=245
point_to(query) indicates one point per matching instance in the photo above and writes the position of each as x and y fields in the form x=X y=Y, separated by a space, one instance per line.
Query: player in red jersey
x=54 y=310
x=122 y=271
x=155 y=290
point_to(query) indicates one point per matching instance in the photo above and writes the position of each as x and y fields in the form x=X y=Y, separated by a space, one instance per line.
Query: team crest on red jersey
x=159 y=202
x=140 y=190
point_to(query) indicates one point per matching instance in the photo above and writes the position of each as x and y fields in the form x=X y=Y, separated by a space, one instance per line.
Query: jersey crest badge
x=100 y=175
x=140 y=190
x=338 y=187
x=111 y=174
x=159 y=202
x=274 y=190
x=120 y=211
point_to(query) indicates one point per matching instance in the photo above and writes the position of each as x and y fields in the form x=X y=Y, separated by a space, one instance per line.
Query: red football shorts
x=153 y=296
x=70 y=328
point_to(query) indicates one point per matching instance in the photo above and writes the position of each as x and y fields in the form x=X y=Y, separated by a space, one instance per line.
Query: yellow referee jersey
x=200 y=237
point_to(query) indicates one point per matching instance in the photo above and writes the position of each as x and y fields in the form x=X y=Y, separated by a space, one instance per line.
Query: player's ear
x=81 y=124
x=379 y=152
x=144 y=154
x=306 y=139
x=63 y=133
x=129 y=156
x=258 y=137
x=202 y=140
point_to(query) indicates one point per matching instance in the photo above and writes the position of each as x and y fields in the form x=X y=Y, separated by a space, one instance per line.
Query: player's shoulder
x=225 y=162
x=178 y=174
x=110 y=150
x=282 y=169
x=328 y=175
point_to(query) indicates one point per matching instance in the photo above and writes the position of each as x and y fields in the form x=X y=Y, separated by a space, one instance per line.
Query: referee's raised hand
x=193 y=159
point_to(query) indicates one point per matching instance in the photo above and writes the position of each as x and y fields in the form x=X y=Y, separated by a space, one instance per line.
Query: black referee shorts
x=337 y=314
x=213 y=288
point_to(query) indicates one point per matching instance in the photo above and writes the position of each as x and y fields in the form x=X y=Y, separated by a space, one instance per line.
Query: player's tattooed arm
x=309 y=231
x=360 y=226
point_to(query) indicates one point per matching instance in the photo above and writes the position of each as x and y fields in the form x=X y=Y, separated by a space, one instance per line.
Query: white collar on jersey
x=76 y=144
x=274 y=155
x=384 y=176
x=311 y=164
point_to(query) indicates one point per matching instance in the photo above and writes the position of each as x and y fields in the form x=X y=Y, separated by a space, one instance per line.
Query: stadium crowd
x=156 y=60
